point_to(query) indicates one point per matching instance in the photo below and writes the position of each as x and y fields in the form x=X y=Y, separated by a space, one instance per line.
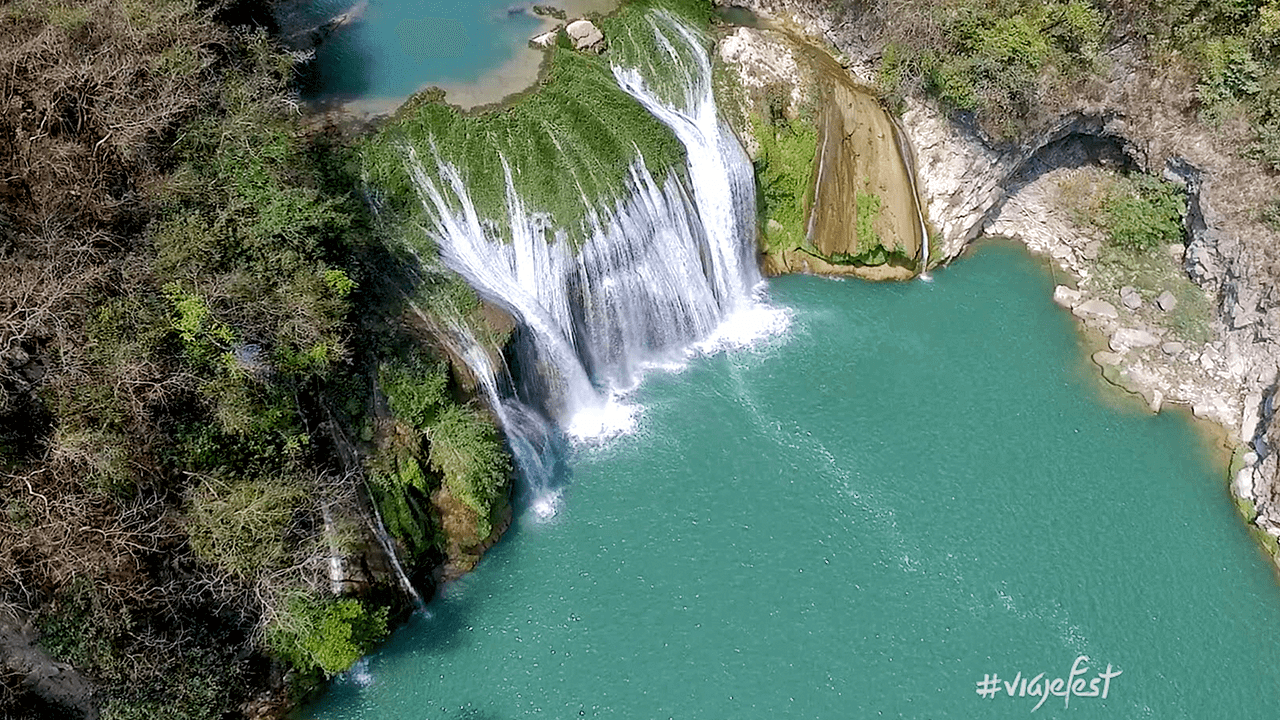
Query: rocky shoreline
x=972 y=186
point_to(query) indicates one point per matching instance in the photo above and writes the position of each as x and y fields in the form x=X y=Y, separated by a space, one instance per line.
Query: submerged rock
x=1066 y=297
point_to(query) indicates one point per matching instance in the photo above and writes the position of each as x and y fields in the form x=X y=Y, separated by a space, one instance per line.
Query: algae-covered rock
x=836 y=192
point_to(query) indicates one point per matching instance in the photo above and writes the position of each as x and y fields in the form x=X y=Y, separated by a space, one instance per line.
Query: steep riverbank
x=1133 y=116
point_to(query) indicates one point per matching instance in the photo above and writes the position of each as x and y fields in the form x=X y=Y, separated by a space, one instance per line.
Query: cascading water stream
x=719 y=169
x=660 y=268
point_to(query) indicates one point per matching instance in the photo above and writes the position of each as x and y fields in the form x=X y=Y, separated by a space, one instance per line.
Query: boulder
x=1095 y=308
x=1130 y=298
x=545 y=40
x=1173 y=348
x=1126 y=338
x=1102 y=357
x=1167 y=301
x=586 y=36
x=1066 y=297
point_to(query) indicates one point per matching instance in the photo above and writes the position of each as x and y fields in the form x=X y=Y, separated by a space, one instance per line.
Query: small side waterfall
x=661 y=267
x=531 y=439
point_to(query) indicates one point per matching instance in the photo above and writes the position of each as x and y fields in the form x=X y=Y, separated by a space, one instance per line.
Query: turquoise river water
x=913 y=487
x=394 y=47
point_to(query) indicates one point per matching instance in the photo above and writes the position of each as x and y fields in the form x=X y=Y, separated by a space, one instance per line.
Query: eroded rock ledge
x=1136 y=118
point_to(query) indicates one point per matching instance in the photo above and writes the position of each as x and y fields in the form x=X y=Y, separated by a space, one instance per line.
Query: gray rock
x=1167 y=301
x=1131 y=301
x=1095 y=308
x=1126 y=338
x=546 y=39
x=1092 y=250
x=1066 y=297
x=1173 y=348
x=586 y=36
x=1102 y=357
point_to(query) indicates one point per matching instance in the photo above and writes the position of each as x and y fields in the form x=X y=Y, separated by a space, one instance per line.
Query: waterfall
x=531 y=439
x=661 y=267
x=719 y=169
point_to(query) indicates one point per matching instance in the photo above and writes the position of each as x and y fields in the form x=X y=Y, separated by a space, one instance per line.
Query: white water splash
x=665 y=272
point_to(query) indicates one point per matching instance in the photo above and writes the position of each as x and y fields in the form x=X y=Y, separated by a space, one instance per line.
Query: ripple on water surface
x=911 y=491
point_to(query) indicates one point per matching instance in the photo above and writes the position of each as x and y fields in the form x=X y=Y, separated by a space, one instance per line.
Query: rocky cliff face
x=859 y=213
x=1141 y=118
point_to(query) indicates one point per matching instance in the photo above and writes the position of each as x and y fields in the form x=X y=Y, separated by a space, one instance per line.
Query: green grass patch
x=784 y=168
x=569 y=143
x=1270 y=215
x=868 y=211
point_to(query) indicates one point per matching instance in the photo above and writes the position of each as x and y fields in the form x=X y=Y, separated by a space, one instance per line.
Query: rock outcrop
x=861 y=216
x=1138 y=117
x=585 y=36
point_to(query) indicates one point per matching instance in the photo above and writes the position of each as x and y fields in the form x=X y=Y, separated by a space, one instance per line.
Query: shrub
x=466 y=449
x=241 y=526
x=1143 y=213
x=326 y=634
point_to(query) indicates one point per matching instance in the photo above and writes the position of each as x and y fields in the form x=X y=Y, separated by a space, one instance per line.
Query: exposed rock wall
x=1142 y=117
x=862 y=217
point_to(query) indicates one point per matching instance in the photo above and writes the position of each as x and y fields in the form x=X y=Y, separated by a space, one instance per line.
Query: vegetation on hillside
x=569 y=145
x=784 y=169
x=988 y=57
x=185 y=272
x=996 y=59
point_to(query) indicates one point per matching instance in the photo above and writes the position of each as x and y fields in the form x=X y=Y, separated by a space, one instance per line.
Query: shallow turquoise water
x=917 y=485
x=400 y=46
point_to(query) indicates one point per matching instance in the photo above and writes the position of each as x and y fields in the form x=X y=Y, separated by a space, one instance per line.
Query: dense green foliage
x=569 y=144
x=987 y=56
x=464 y=447
x=784 y=168
x=328 y=634
x=187 y=265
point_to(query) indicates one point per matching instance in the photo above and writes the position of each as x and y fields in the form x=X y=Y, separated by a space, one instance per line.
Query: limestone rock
x=1095 y=308
x=1102 y=357
x=1130 y=298
x=1066 y=297
x=1126 y=338
x=586 y=36
x=1173 y=348
x=545 y=40
x=1167 y=301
